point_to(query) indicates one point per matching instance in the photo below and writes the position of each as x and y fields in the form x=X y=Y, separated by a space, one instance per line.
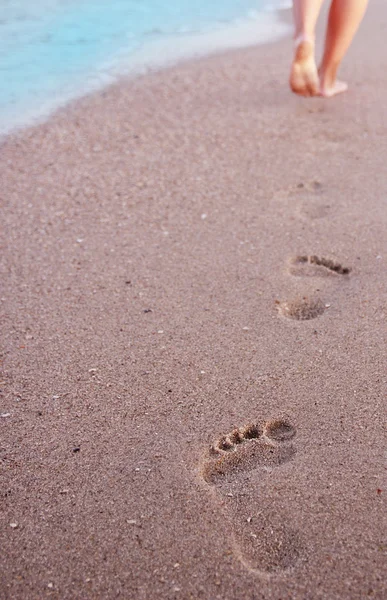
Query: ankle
x=328 y=74
x=304 y=36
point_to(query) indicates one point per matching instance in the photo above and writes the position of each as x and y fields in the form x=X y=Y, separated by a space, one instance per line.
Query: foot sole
x=304 y=79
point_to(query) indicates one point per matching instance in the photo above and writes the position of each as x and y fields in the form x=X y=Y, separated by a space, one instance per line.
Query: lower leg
x=305 y=14
x=304 y=76
x=344 y=19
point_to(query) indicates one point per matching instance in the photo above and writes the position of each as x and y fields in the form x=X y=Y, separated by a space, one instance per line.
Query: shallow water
x=54 y=50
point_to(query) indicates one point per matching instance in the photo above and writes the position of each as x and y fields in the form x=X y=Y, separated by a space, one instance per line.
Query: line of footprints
x=239 y=460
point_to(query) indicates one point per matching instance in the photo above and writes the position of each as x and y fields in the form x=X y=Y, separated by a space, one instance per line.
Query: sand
x=185 y=255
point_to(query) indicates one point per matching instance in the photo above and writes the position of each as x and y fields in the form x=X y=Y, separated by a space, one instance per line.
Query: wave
x=54 y=51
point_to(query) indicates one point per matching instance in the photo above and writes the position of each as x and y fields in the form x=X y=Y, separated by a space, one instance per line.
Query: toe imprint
x=247 y=448
x=302 y=266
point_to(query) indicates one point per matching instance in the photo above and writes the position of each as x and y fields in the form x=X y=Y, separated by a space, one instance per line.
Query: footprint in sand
x=235 y=469
x=314 y=210
x=311 y=204
x=306 y=307
x=315 y=266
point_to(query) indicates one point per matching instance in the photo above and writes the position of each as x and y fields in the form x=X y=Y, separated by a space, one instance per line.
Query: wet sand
x=185 y=255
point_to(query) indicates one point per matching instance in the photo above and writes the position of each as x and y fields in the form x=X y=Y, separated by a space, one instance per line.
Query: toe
x=225 y=444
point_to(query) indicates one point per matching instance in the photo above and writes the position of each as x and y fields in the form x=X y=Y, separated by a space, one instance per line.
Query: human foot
x=329 y=85
x=329 y=90
x=304 y=79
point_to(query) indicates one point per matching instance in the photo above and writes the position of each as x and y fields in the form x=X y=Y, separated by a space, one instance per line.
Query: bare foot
x=337 y=87
x=304 y=78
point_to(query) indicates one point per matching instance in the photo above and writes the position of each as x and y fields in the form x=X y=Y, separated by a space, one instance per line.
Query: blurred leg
x=304 y=78
x=306 y=13
x=344 y=19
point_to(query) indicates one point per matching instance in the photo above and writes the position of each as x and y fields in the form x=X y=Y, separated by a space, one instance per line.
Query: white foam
x=158 y=52
x=166 y=51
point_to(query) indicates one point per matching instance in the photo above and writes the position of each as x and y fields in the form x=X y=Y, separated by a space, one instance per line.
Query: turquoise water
x=54 y=50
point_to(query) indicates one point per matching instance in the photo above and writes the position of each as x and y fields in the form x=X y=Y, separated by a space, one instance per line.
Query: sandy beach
x=193 y=307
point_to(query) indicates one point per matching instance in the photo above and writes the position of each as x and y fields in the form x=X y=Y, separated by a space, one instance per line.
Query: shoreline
x=158 y=54
x=162 y=291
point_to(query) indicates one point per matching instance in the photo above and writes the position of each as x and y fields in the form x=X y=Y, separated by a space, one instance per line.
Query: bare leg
x=304 y=79
x=344 y=19
x=305 y=14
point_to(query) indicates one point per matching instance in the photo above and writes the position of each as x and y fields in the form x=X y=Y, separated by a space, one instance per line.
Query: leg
x=344 y=19
x=304 y=77
x=305 y=14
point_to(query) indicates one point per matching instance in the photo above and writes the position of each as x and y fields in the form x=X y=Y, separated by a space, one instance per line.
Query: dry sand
x=158 y=236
